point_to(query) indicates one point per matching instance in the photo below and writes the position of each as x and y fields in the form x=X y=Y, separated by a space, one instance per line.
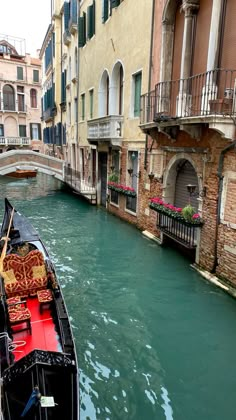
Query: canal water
x=154 y=340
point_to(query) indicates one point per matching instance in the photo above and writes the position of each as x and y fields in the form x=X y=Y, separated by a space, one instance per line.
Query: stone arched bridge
x=27 y=159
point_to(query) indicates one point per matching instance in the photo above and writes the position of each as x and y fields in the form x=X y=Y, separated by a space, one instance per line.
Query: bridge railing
x=79 y=181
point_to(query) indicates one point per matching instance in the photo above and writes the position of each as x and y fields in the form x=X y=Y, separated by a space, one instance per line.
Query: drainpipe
x=62 y=87
x=77 y=160
x=231 y=146
x=149 y=76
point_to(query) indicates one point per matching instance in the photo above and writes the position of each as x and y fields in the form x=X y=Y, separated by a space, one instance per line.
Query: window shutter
x=39 y=132
x=93 y=17
x=66 y=16
x=74 y=11
x=81 y=31
x=19 y=73
x=105 y=10
x=36 y=76
x=137 y=94
x=115 y=3
x=31 y=131
x=91 y=20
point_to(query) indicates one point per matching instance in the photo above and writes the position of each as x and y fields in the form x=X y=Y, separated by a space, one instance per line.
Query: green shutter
x=66 y=16
x=36 y=76
x=39 y=132
x=31 y=131
x=19 y=73
x=91 y=103
x=93 y=17
x=82 y=30
x=137 y=94
x=22 y=130
x=105 y=10
x=91 y=20
x=115 y=3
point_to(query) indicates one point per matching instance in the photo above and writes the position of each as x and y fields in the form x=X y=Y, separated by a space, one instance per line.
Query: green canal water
x=154 y=340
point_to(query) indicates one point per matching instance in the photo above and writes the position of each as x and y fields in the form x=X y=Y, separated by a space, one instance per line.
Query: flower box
x=122 y=189
x=174 y=212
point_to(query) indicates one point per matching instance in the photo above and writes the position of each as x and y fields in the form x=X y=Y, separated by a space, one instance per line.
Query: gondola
x=39 y=372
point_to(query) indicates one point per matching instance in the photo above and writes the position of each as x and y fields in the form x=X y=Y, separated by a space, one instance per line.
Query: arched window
x=117 y=82
x=103 y=95
x=9 y=98
x=33 y=98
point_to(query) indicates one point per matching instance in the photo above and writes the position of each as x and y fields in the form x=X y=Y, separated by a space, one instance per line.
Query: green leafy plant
x=113 y=177
x=188 y=212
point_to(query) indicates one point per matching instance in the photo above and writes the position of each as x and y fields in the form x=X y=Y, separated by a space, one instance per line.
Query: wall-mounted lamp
x=133 y=156
x=130 y=171
x=151 y=176
x=112 y=168
x=193 y=193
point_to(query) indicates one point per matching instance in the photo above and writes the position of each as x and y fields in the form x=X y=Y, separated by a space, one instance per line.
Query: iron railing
x=210 y=93
x=181 y=232
x=80 y=182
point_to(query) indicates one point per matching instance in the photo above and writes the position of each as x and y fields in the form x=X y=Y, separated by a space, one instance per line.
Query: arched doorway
x=186 y=174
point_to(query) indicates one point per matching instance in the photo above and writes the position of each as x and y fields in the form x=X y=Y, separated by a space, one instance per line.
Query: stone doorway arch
x=181 y=166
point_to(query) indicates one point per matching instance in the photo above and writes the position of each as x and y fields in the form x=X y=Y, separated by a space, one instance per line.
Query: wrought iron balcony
x=180 y=231
x=15 y=141
x=109 y=128
x=208 y=94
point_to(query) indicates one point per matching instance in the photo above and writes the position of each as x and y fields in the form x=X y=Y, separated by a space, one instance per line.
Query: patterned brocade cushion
x=44 y=296
x=39 y=271
x=19 y=315
x=8 y=276
x=23 y=266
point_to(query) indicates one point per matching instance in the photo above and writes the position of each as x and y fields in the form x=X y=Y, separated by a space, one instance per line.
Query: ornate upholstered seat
x=19 y=314
x=24 y=275
x=44 y=297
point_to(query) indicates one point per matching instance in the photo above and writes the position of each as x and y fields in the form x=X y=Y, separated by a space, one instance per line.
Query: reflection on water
x=28 y=189
x=154 y=341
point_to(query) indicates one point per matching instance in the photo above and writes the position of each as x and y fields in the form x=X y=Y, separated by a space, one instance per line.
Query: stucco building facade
x=20 y=97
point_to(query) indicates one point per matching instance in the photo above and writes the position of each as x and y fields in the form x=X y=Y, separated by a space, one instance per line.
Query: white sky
x=28 y=19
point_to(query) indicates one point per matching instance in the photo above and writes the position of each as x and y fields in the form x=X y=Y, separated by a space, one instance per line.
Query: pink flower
x=196 y=216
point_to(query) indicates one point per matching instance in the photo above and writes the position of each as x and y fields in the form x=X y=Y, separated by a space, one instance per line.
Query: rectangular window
x=36 y=76
x=21 y=98
x=1 y=130
x=22 y=130
x=131 y=203
x=137 y=79
x=83 y=106
x=20 y=73
x=76 y=110
x=114 y=197
x=91 y=103
x=35 y=131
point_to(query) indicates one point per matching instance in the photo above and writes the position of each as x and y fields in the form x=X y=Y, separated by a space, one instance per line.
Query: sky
x=28 y=19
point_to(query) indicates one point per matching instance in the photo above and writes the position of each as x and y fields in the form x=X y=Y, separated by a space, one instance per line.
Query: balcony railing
x=15 y=141
x=182 y=232
x=210 y=93
x=106 y=128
